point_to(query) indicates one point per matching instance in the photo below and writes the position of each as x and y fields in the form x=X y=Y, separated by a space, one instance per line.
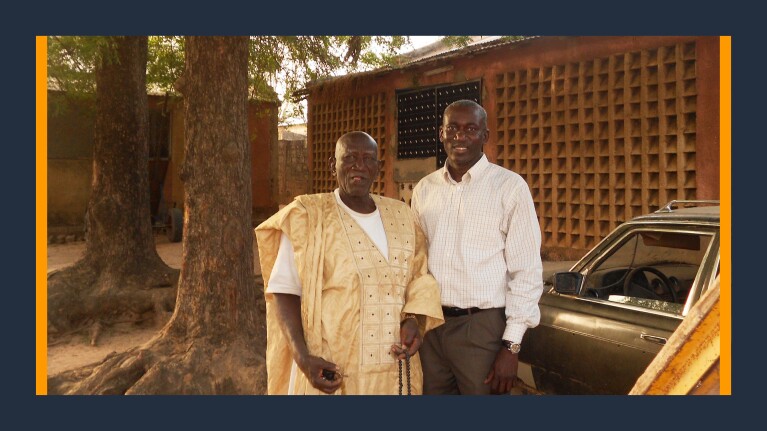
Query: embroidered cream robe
x=352 y=299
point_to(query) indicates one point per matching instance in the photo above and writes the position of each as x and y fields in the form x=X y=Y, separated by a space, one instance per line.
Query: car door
x=586 y=346
x=600 y=339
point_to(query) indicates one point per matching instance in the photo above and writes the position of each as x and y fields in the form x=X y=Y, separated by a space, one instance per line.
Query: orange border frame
x=725 y=191
x=41 y=219
x=41 y=239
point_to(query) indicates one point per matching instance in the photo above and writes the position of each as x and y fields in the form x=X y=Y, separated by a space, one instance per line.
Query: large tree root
x=177 y=362
x=163 y=366
x=84 y=297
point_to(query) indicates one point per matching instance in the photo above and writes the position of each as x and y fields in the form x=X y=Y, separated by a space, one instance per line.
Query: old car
x=604 y=321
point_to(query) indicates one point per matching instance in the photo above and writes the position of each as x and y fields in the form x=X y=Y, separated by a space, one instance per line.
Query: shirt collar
x=473 y=172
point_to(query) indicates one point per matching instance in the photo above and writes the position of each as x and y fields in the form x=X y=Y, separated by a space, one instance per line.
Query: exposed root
x=95 y=328
x=81 y=294
x=61 y=337
x=95 y=331
x=170 y=368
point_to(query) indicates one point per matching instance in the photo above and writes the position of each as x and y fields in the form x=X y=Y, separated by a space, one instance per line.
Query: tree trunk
x=120 y=276
x=215 y=341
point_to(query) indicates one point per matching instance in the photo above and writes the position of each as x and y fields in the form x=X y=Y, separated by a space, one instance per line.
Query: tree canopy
x=284 y=63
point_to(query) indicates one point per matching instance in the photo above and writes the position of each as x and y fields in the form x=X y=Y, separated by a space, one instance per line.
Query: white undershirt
x=284 y=277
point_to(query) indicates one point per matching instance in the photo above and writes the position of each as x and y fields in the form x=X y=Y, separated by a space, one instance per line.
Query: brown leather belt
x=455 y=311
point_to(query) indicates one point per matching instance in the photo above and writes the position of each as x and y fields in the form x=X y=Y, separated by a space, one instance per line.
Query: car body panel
x=601 y=345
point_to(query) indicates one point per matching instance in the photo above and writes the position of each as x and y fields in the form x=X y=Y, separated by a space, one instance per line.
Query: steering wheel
x=664 y=281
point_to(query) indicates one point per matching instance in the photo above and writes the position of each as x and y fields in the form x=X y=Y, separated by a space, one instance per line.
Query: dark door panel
x=592 y=346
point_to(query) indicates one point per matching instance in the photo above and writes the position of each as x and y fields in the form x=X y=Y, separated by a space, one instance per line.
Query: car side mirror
x=568 y=283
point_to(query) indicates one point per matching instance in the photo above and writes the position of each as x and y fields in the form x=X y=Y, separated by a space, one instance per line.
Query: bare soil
x=74 y=350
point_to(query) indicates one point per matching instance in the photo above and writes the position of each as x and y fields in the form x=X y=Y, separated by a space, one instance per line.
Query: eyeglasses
x=469 y=131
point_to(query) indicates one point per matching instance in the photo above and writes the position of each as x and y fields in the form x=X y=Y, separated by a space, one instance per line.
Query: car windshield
x=650 y=268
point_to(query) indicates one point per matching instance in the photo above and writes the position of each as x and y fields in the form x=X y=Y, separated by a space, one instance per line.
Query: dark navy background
x=25 y=20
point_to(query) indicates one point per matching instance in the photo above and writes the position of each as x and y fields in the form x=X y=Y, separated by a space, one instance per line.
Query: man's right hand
x=312 y=368
x=289 y=315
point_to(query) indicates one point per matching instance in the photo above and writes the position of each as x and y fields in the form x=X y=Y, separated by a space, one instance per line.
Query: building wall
x=69 y=188
x=262 y=132
x=70 y=160
x=602 y=128
x=292 y=170
x=292 y=132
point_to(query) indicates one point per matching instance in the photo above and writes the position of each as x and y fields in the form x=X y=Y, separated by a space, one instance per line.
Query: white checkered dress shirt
x=484 y=242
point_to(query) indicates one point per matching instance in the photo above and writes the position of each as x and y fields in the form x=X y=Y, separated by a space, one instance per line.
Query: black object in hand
x=328 y=374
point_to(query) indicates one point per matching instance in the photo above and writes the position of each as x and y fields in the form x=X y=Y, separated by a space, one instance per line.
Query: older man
x=348 y=290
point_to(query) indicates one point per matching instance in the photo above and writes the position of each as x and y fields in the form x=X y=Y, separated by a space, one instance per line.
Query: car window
x=649 y=268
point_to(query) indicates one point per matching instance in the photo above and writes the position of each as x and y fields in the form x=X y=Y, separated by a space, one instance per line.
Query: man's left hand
x=503 y=373
x=410 y=339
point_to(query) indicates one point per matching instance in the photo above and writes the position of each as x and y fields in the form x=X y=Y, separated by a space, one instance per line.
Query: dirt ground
x=75 y=350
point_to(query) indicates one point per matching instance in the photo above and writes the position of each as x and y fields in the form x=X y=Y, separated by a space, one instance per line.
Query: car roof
x=706 y=214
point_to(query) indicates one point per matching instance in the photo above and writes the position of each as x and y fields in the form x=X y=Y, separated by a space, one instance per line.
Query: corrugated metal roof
x=478 y=45
x=434 y=52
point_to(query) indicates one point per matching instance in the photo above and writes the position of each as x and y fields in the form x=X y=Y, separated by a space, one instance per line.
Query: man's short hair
x=466 y=103
x=354 y=134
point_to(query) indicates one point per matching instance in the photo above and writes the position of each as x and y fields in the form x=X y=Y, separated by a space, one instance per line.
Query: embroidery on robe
x=383 y=283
